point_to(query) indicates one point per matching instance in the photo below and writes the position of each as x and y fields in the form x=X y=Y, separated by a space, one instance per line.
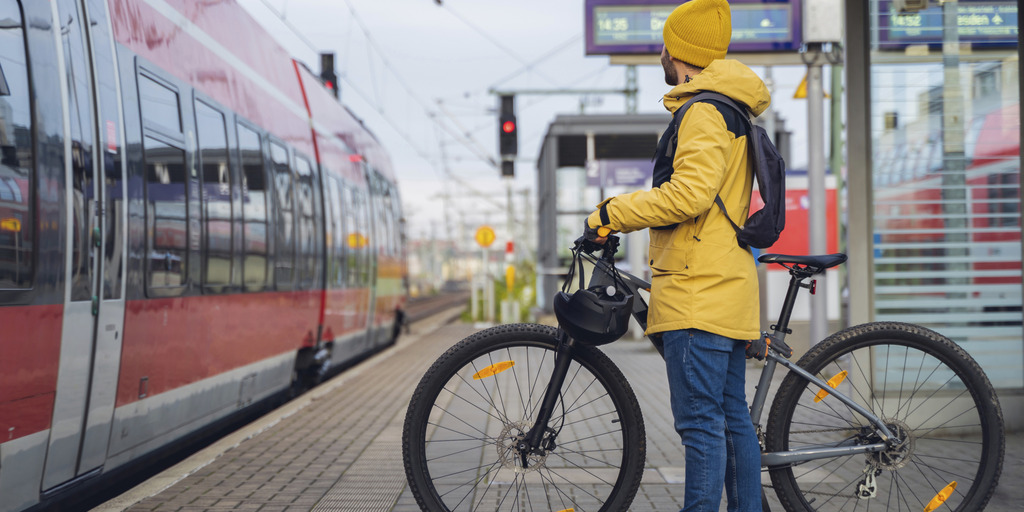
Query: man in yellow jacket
x=704 y=295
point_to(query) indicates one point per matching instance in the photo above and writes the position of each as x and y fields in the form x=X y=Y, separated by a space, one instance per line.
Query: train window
x=367 y=239
x=17 y=213
x=1004 y=199
x=308 y=241
x=392 y=228
x=356 y=238
x=284 y=206
x=166 y=217
x=348 y=212
x=335 y=234
x=216 y=197
x=160 y=107
x=82 y=183
x=254 y=209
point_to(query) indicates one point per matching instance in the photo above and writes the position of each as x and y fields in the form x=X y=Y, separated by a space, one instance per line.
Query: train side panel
x=174 y=246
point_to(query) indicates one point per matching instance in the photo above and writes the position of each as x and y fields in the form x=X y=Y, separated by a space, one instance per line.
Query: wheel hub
x=896 y=456
x=512 y=446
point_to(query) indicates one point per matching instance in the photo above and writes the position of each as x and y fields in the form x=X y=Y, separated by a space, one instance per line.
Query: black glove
x=758 y=348
x=589 y=233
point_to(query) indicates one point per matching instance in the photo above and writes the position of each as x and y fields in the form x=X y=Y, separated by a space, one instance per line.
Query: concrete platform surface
x=338 y=447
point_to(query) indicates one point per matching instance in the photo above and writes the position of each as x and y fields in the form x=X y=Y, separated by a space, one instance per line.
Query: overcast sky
x=420 y=74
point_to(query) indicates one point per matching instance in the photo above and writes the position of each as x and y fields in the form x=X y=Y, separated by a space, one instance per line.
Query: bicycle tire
x=459 y=432
x=943 y=401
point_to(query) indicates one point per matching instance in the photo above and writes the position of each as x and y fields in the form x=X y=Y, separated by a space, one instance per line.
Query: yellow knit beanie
x=698 y=32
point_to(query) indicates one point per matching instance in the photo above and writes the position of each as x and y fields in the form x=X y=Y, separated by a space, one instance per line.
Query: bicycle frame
x=603 y=275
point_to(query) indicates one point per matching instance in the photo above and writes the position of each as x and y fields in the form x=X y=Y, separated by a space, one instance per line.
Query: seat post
x=781 y=329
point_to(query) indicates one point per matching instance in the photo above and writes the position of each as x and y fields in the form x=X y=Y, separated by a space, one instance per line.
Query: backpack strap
x=753 y=143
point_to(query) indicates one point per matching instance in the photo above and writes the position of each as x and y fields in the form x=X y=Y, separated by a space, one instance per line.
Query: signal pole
x=816 y=212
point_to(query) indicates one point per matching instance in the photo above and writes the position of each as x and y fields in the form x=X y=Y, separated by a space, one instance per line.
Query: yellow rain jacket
x=701 y=277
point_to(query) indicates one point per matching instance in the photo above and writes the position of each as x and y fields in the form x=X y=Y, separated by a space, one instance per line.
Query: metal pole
x=836 y=163
x=631 y=89
x=954 y=172
x=506 y=315
x=770 y=127
x=769 y=114
x=816 y=213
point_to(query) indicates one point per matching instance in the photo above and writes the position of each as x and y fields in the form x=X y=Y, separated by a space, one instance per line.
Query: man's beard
x=671 y=76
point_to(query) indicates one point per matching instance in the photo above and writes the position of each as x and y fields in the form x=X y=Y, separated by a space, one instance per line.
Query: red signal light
x=508 y=126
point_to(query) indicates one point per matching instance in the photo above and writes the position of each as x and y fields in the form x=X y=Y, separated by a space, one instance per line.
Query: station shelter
x=928 y=199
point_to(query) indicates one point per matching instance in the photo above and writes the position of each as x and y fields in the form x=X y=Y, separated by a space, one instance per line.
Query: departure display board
x=984 y=24
x=617 y=27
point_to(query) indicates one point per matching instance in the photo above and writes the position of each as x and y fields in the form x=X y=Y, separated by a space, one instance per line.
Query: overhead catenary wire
x=444 y=121
x=494 y=41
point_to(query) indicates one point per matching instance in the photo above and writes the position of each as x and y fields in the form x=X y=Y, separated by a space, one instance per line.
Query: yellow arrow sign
x=801 y=90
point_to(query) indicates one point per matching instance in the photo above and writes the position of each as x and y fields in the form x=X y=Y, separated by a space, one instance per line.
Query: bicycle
x=522 y=417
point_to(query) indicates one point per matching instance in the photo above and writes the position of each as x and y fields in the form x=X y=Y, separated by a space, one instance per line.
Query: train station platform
x=338 y=447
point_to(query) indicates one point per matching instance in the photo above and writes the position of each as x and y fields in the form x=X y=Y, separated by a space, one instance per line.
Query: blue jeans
x=706 y=374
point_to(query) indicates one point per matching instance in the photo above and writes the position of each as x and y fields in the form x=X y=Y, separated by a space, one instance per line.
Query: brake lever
x=587 y=246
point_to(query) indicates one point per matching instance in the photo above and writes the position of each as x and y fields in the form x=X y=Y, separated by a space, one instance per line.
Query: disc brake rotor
x=509 y=453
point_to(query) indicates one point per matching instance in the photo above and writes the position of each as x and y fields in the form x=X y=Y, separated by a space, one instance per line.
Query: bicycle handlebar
x=609 y=247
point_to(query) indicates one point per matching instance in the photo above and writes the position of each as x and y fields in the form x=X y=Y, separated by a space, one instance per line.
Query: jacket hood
x=726 y=76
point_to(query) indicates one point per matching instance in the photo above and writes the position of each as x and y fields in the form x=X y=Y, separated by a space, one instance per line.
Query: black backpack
x=762 y=227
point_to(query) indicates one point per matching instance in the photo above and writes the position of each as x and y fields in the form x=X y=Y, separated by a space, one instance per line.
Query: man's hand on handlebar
x=598 y=235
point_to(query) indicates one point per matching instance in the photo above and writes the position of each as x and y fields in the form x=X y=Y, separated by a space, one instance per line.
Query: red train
x=189 y=223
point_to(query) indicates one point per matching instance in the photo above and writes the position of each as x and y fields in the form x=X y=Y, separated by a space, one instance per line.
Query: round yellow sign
x=485 y=236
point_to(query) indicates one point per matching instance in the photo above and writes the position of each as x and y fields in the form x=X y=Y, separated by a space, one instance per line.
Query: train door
x=94 y=305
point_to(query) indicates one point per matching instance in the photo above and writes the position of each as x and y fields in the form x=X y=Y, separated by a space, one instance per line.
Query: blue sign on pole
x=618 y=173
x=984 y=24
x=635 y=26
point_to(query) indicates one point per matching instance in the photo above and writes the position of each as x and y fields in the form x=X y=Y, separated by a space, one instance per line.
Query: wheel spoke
x=924 y=388
x=467 y=455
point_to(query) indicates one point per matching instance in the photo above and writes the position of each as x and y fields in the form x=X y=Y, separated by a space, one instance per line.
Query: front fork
x=532 y=442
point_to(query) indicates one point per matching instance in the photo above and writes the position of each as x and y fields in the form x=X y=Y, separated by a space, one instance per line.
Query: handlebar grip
x=604 y=231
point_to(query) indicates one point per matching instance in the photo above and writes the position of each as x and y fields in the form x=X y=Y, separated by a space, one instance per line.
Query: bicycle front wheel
x=474 y=405
x=930 y=393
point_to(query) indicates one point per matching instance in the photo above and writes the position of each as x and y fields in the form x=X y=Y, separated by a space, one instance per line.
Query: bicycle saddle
x=815 y=264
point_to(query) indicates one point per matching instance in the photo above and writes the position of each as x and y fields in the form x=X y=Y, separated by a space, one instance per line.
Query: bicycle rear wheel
x=481 y=397
x=928 y=391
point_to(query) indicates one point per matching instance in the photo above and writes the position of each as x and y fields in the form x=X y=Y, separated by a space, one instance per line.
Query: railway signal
x=327 y=73
x=508 y=134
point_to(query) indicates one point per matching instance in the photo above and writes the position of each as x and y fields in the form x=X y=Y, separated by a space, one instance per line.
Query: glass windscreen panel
x=945 y=127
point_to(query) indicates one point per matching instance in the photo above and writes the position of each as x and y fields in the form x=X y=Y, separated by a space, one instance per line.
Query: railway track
x=422 y=307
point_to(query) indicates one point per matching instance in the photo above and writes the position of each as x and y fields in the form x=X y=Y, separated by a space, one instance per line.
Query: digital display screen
x=631 y=27
x=985 y=24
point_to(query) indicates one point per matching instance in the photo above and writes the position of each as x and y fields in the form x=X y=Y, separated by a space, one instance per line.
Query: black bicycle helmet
x=591 y=316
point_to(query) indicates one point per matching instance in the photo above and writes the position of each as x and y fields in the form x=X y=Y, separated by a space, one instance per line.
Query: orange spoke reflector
x=941 y=497
x=493 y=370
x=568 y=510
x=833 y=382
